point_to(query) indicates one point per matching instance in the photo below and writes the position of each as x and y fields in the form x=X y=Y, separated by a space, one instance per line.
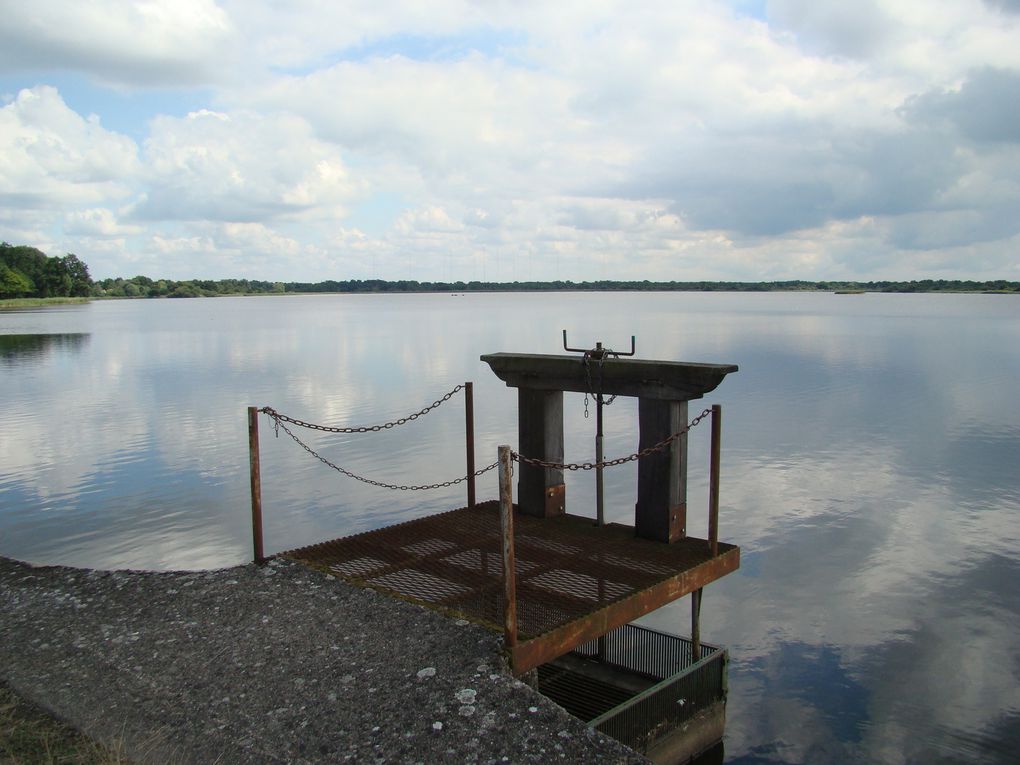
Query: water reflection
x=21 y=349
x=869 y=473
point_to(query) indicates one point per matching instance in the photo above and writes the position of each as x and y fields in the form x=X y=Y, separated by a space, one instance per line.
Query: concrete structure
x=662 y=388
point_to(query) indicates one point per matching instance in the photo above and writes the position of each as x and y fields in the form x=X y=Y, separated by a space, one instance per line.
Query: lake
x=870 y=472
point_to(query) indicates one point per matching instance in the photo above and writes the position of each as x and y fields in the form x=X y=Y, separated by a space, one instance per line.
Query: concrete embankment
x=279 y=664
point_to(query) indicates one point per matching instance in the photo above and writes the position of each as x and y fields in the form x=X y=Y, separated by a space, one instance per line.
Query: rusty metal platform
x=575 y=581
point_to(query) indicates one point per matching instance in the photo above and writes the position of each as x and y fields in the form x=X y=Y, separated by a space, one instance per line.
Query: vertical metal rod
x=600 y=513
x=696 y=624
x=713 y=481
x=469 y=426
x=506 y=522
x=256 y=483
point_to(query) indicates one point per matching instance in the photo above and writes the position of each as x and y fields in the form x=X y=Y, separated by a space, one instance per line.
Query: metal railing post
x=506 y=522
x=469 y=425
x=256 y=484
x=696 y=624
x=713 y=481
x=600 y=490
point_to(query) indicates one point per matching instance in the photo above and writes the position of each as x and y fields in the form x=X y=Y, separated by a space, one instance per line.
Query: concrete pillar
x=661 y=510
x=540 y=491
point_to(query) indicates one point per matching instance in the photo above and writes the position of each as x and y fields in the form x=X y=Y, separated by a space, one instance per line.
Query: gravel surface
x=278 y=664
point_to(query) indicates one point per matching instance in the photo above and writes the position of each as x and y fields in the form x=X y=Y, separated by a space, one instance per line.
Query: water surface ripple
x=870 y=452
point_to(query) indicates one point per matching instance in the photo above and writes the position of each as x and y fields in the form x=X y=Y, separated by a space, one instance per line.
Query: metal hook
x=598 y=351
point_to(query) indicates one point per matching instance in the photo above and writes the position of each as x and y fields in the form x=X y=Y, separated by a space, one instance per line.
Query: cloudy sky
x=501 y=141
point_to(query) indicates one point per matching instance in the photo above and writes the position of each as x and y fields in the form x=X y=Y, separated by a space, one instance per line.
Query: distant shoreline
x=142 y=286
x=236 y=288
x=35 y=302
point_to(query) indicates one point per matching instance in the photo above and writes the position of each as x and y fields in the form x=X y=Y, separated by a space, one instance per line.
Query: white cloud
x=308 y=32
x=829 y=26
x=985 y=107
x=97 y=222
x=118 y=41
x=474 y=117
x=678 y=140
x=429 y=220
x=50 y=156
x=240 y=167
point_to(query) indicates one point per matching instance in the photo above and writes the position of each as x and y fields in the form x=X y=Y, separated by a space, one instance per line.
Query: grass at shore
x=30 y=736
x=30 y=302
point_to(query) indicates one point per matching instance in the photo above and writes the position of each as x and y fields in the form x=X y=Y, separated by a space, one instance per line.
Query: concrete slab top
x=272 y=665
x=643 y=378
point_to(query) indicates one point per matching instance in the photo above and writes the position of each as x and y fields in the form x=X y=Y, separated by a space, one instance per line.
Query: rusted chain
x=516 y=456
x=586 y=361
x=371 y=482
x=281 y=418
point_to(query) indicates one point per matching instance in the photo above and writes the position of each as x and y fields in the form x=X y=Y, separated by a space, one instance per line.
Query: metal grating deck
x=574 y=581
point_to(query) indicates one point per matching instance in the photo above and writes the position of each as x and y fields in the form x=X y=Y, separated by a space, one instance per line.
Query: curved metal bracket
x=598 y=351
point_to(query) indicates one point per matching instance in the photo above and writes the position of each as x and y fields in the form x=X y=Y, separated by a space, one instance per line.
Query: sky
x=751 y=140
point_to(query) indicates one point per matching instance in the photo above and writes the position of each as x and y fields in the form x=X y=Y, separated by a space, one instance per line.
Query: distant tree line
x=925 y=285
x=28 y=272
x=142 y=286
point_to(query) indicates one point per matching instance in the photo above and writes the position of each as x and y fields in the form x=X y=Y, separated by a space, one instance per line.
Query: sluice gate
x=564 y=588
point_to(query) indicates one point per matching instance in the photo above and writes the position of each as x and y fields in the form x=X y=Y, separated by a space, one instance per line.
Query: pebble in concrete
x=279 y=664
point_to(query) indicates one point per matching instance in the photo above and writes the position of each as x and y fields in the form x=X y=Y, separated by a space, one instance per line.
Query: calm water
x=871 y=447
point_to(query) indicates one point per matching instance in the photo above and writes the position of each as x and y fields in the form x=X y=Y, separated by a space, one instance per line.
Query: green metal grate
x=636 y=684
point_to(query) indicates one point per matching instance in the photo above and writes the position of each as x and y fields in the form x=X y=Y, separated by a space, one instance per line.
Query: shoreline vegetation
x=30 y=734
x=33 y=302
x=28 y=277
x=141 y=286
x=118 y=290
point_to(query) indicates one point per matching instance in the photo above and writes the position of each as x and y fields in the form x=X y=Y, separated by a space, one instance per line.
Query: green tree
x=46 y=277
x=13 y=283
x=81 y=281
x=29 y=261
x=186 y=290
x=55 y=281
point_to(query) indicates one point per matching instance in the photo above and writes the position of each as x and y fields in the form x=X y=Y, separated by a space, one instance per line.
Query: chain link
x=281 y=418
x=516 y=456
x=371 y=482
x=586 y=360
